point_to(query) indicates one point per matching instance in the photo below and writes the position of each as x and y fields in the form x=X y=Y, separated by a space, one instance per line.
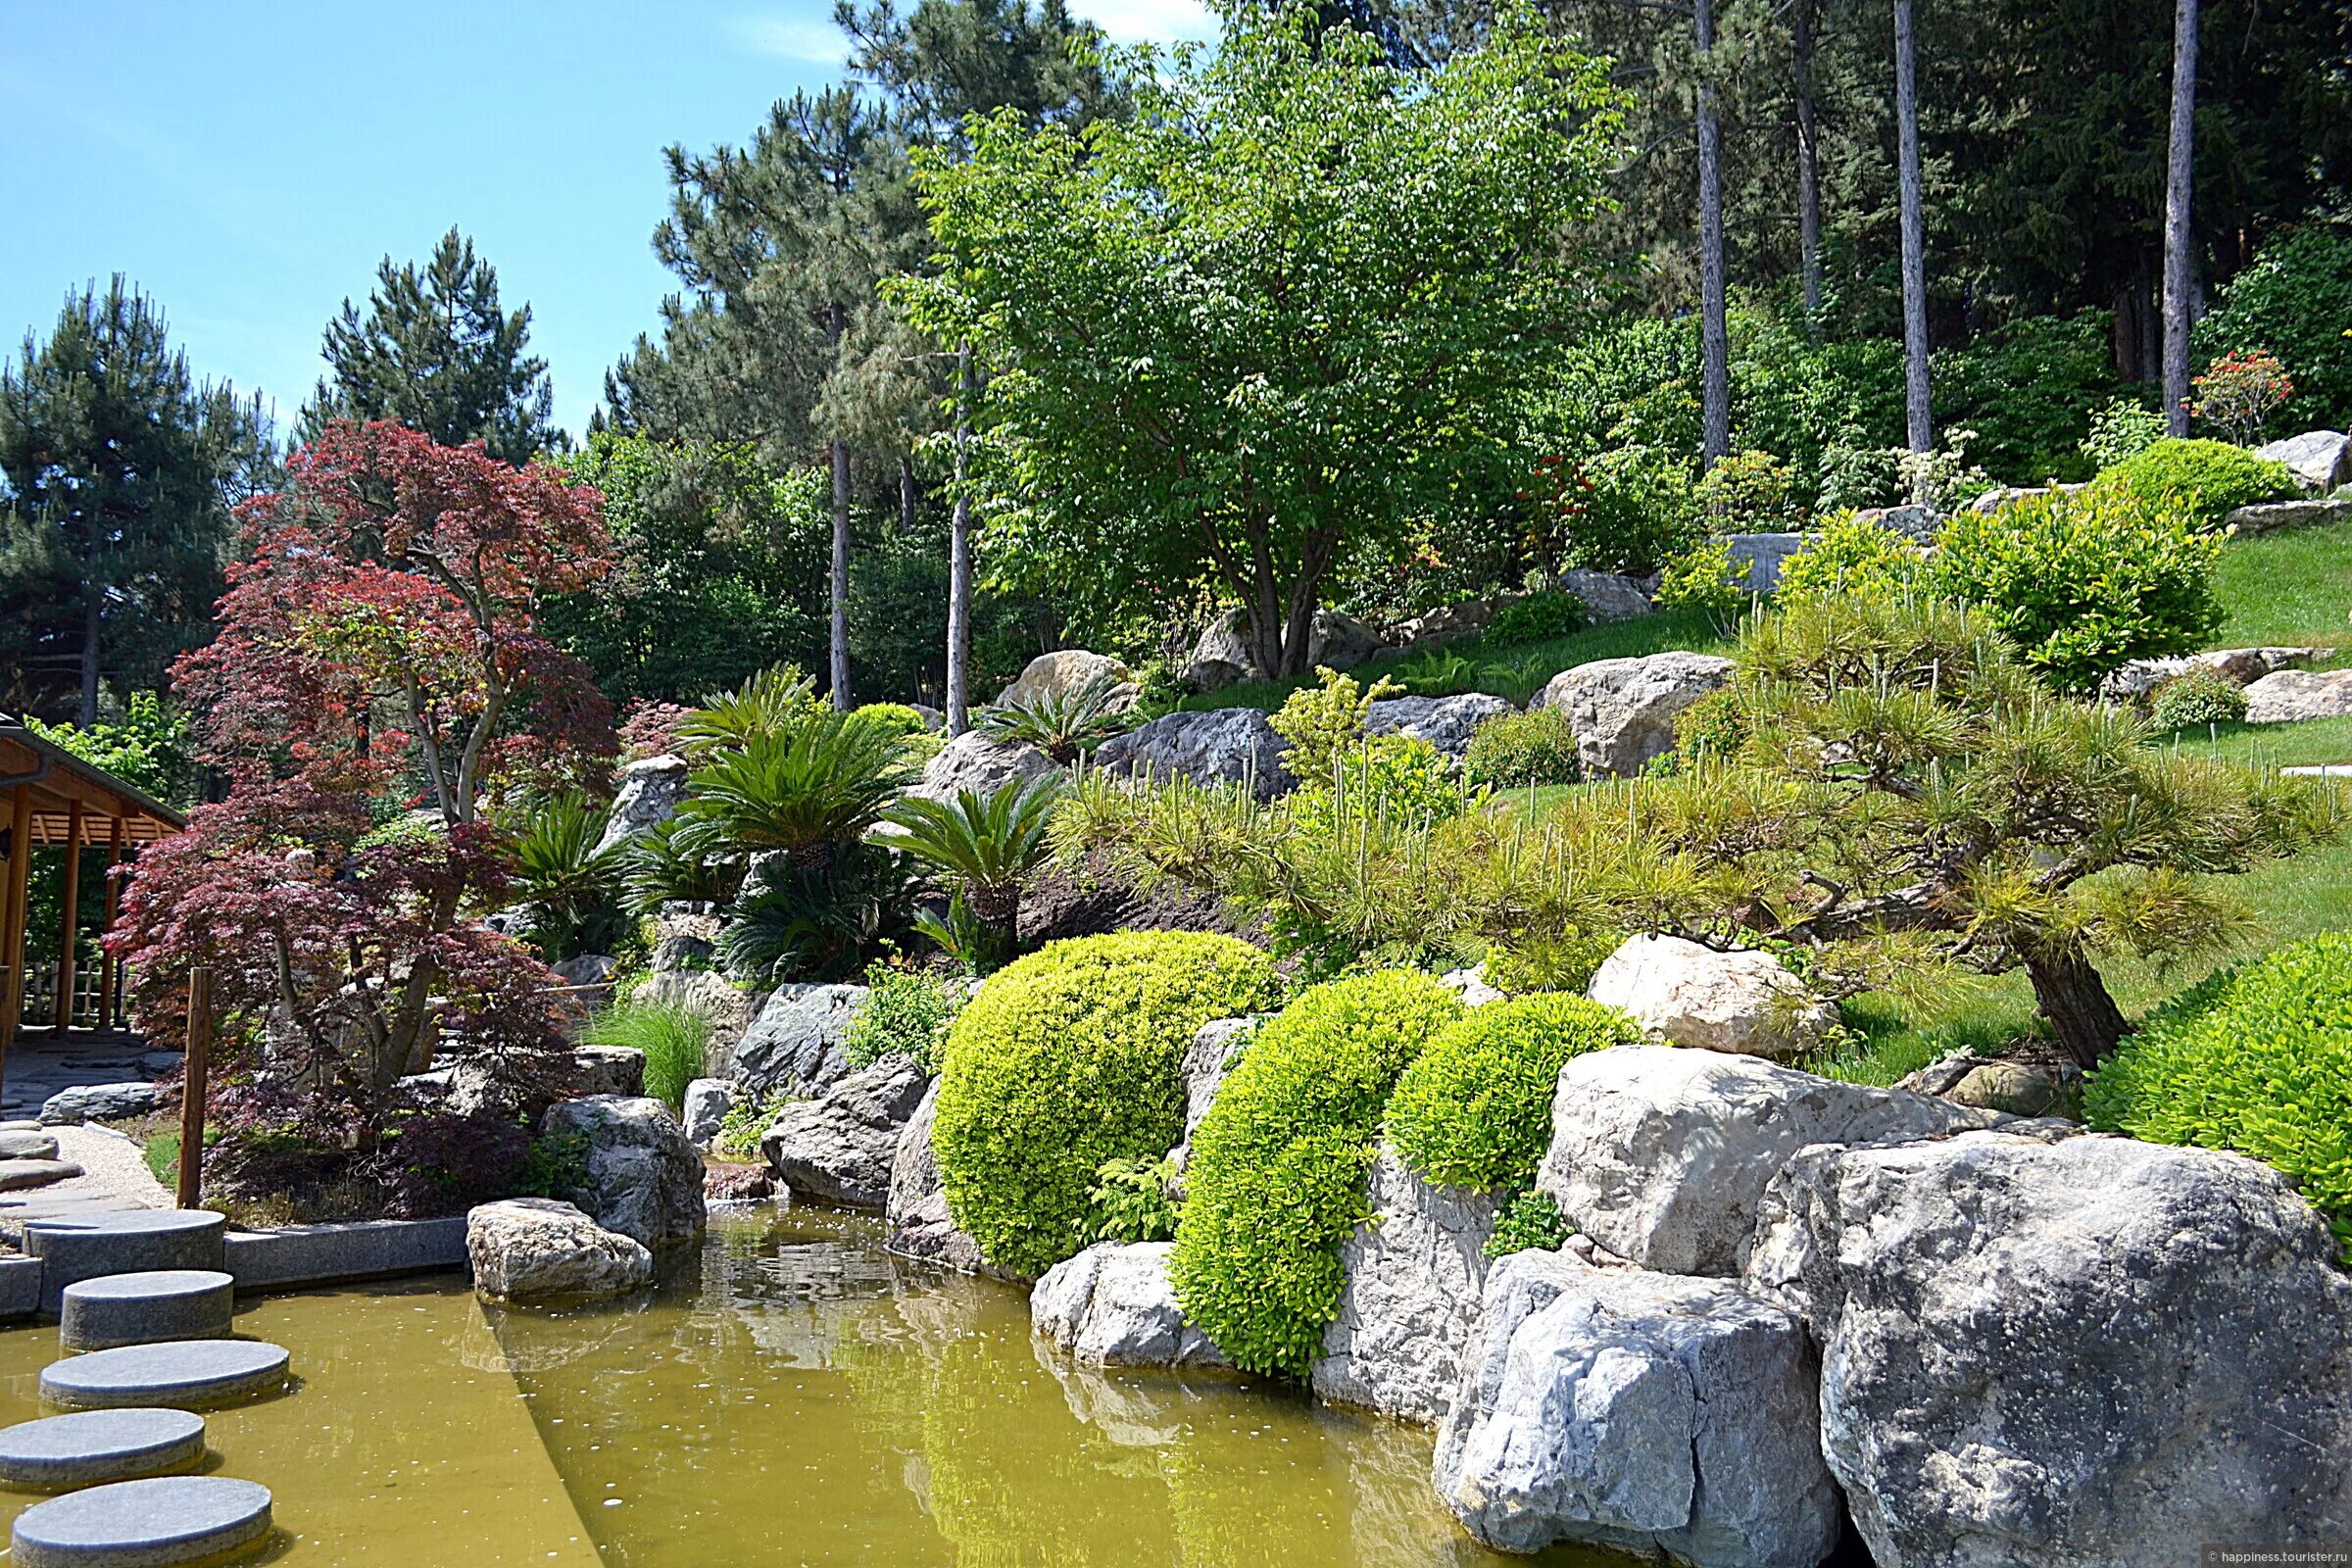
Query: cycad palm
x=769 y=704
x=818 y=782
x=1063 y=722
x=989 y=843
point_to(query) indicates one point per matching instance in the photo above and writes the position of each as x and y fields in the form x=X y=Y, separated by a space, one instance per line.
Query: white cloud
x=813 y=41
x=1150 y=20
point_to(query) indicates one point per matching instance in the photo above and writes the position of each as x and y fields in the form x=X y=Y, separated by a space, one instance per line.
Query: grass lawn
x=2292 y=587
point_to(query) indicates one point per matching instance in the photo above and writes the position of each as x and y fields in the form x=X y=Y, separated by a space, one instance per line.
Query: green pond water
x=799 y=1398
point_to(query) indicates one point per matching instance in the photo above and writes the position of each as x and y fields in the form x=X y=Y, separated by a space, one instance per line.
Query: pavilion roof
x=58 y=779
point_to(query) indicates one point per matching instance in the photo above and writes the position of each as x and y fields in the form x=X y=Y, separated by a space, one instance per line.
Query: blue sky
x=249 y=162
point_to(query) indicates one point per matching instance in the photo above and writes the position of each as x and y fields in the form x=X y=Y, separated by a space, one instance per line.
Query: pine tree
x=436 y=352
x=118 y=473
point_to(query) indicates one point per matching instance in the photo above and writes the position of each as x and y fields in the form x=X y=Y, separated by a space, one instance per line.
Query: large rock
x=1112 y=1306
x=1446 y=723
x=1659 y=1415
x=2275 y=517
x=641 y=1177
x=1065 y=670
x=839 y=1149
x=526 y=1249
x=2243 y=666
x=2320 y=460
x=725 y=1008
x=1919 y=523
x=920 y=1225
x=704 y=1111
x=1684 y=994
x=1623 y=709
x=1222 y=654
x=1414 y=1271
x=100 y=1102
x=1760 y=556
x=2290 y=695
x=1608 y=596
x=608 y=1069
x=1221 y=745
x=793 y=1046
x=649 y=796
x=973 y=761
x=1663 y=1154
x=2086 y=1351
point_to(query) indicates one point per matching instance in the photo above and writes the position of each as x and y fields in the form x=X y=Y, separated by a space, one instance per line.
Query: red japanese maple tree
x=377 y=673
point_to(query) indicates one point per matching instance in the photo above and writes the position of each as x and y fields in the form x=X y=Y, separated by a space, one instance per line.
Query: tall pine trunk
x=906 y=495
x=1918 y=421
x=2073 y=998
x=1808 y=159
x=86 y=713
x=838 y=451
x=959 y=559
x=2179 y=186
x=1714 y=339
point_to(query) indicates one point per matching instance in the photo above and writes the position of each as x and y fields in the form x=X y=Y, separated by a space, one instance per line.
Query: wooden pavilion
x=51 y=799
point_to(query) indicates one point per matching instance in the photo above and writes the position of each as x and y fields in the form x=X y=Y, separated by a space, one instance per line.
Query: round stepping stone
x=15 y=1144
x=81 y=1247
x=184 y=1374
x=15 y=1175
x=179 y=1303
x=91 y=1447
x=142 y=1524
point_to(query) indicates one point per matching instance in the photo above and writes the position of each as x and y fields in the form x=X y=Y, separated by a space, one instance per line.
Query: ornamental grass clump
x=1474 y=1109
x=2256 y=1059
x=1276 y=1173
x=675 y=1041
x=1069 y=1059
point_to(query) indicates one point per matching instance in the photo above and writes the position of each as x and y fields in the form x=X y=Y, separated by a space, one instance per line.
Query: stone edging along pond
x=297 y=1256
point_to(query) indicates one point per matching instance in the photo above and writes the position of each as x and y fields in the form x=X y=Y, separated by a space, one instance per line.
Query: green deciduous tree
x=1261 y=324
x=118 y=473
x=435 y=350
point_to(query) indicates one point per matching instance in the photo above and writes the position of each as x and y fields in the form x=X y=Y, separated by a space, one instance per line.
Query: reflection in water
x=802 y=1398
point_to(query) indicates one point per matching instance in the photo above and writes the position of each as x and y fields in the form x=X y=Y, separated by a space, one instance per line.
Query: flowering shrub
x=2240 y=391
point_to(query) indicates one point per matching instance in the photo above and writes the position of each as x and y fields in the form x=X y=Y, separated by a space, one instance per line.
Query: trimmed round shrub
x=2256 y=1059
x=1537 y=618
x=897 y=717
x=2196 y=698
x=2203 y=481
x=1474 y=1109
x=1067 y=1060
x=1537 y=746
x=1276 y=1172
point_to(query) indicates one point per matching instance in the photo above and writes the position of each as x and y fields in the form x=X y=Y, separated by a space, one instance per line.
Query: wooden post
x=193 y=1085
x=12 y=919
x=108 y=965
x=73 y=920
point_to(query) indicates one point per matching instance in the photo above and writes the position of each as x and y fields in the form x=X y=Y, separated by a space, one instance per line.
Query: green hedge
x=2258 y=1060
x=1069 y=1058
x=1474 y=1109
x=2204 y=481
x=1277 y=1166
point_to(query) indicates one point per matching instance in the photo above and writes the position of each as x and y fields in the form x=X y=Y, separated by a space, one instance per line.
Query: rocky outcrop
x=920 y=1225
x=2243 y=666
x=82 y=1102
x=2275 y=517
x=704 y=1111
x=725 y=1008
x=1684 y=994
x=640 y=1176
x=1608 y=596
x=1623 y=709
x=2047 y=1349
x=1663 y=1154
x=608 y=1069
x=2291 y=695
x=1220 y=746
x=1216 y=1050
x=1067 y=670
x=793 y=1046
x=1471 y=986
x=1415 y=1273
x=1446 y=723
x=2320 y=460
x=1760 y=556
x=1919 y=523
x=649 y=796
x=530 y=1248
x=1659 y=1415
x=839 y=1149
x=1112 y=1306
x=973 y=761
x=1222 y=655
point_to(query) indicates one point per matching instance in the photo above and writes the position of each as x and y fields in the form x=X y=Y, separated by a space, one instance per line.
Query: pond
x=799 y=1397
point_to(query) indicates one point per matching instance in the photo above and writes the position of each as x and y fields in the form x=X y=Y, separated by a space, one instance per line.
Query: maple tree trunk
x=2075 y=1000
x=2179 y=183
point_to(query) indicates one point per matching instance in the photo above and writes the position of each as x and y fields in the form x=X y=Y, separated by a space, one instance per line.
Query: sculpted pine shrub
x=1275 y=1177
x=2258 y=1060
x=1474 y=1109
x=1068 y=1059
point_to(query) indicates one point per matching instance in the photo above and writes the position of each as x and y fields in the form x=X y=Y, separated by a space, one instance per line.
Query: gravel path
x=115 y=1176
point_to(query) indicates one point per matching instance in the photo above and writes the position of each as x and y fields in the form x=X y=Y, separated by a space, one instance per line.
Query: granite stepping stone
x=18 y=1143
x=15 y=1175
x=184 y=1374
x=59 y=1452
x=143 y=1523
x=76 y=1247
x=142 y=1308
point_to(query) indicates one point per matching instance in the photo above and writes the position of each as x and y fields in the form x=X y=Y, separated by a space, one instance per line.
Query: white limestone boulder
x=649 y=796
x=1685 y=993
x=530 y=1248
x=1112 y=1306
x=1415 y=1273
x=641 y=1177
x=2320 y=460
x=838 y=1149
x=1217 y=746
x=1066 y=670
x=1622 y=710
